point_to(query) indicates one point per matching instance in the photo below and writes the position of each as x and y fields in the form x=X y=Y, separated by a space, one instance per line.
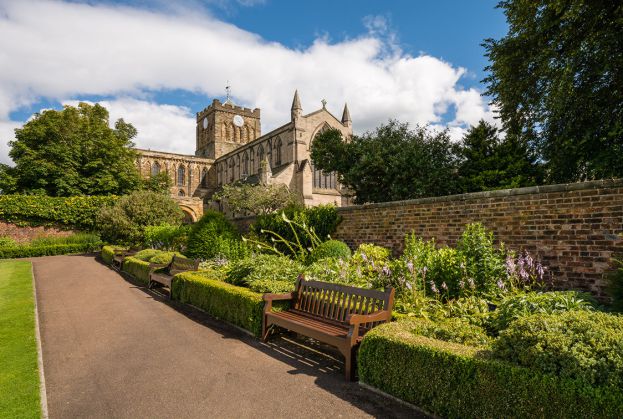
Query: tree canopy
x=72 y=152
x=557 y=80
x=243 y=198
x=391 y=163
x=487 y=161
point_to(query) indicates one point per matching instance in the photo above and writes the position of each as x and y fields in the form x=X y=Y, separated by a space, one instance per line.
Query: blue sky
x=156 y=63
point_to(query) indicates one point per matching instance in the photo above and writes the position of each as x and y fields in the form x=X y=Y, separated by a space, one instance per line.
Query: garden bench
x=162 y=274
x=338 y=315
x=120 y=255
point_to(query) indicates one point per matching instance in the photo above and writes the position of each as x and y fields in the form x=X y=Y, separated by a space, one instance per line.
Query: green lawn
x=19 y=376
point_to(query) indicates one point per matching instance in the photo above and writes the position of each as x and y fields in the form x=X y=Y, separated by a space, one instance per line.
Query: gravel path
x=113 y=349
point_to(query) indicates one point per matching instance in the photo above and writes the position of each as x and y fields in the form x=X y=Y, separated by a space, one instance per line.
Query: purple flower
x=386 y=271
x=408 y=285
x=500 y=284
x=529 y=260
x=471 y=283
x=461 y=284
x=444 y=286
x=364 y=257
x=424 y=270
x=540 y=270
x=523 y=274
x=510 y=266
x=410 y=266
x=433 y=287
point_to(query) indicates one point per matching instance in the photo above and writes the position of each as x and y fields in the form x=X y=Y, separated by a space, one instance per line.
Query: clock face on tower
x=238 y=121
x=205 y=123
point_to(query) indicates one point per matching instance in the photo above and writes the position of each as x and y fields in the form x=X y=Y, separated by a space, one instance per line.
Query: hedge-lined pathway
x=113 y=349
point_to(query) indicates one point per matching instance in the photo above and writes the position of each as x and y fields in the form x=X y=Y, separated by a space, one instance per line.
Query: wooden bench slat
x=332 y=313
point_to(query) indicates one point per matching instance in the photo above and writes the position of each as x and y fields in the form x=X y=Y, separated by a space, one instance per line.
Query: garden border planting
x=453 y=380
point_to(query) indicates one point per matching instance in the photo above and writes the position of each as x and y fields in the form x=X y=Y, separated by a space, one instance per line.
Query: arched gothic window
x=324 y=180
x=204 y=177
x=269 y=152
x=231 y=170
x=181 y=175
x=260 y=154
x=245 y=165
x=155 y=168
x=252 y=153
x=278 y=145
x=181 y=193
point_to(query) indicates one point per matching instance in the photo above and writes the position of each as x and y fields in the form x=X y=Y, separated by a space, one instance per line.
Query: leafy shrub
x=125 y=221
x=7 y=241
x=330 y=249
x=483 y=262
x=371 y=252
x=76 y=211
x=323 y=219
x=236 y=305
x=77 y=238
x=167 y=237
x=516 y=306
x=456 y=381
x=581 y=345
x=449 y=330
x=265 y=273
x=615 y=287
x=213 y=235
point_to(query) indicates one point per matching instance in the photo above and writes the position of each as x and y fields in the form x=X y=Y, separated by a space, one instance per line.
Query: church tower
x=223 y=127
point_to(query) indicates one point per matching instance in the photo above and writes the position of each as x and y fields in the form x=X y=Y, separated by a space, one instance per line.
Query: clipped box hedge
x=13 y=252
x=236 y=305
x=108 y=252
x=139 y=269
x=457 y=381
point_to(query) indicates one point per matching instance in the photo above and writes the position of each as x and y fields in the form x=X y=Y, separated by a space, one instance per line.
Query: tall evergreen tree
x=490 y=162
x=557 y=79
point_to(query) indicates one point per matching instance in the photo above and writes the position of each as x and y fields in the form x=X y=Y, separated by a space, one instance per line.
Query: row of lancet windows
x=242 y=134
x=180 y=179
x=324 y=180
x=248 y=162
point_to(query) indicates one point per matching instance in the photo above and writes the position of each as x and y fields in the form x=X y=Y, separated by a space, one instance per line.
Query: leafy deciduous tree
x=72 y=152
x=392 y=163
x=557 y=79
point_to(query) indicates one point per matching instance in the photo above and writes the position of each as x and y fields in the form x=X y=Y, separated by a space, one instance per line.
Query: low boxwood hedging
x=457 y=381
x=137 y=268
x=108 y=252
x=236 y=305
x=52 y=250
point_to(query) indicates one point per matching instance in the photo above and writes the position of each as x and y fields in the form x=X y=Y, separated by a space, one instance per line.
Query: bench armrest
x=368 y=318
x=155 y=266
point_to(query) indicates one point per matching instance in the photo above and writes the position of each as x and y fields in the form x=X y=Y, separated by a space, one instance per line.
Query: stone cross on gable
x=324 y=103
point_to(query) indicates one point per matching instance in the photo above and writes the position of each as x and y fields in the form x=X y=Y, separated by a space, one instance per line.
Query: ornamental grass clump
x=265 y=273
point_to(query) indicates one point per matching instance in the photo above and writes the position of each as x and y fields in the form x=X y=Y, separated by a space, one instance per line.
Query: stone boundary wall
x=574 y=228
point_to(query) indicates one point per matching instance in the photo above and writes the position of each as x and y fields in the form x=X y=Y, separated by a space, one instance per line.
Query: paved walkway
x=113 y=349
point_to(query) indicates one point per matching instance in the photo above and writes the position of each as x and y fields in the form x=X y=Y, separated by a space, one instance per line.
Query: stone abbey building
x=230 y=147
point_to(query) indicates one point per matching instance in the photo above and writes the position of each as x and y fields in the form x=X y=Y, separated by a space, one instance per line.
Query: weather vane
x=228 y=91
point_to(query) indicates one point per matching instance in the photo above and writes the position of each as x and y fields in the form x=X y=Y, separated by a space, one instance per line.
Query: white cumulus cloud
x=58 y=50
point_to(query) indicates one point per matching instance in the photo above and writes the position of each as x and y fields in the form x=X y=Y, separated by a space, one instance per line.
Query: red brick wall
x=25 y=234
x=575 y=229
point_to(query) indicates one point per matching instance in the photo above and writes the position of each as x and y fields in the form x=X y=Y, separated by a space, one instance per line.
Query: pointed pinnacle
x=296 y=103
x=346 y=115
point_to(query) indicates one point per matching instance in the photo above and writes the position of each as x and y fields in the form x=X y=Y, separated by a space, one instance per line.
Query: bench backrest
x=334 y=302
x=179 y=264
